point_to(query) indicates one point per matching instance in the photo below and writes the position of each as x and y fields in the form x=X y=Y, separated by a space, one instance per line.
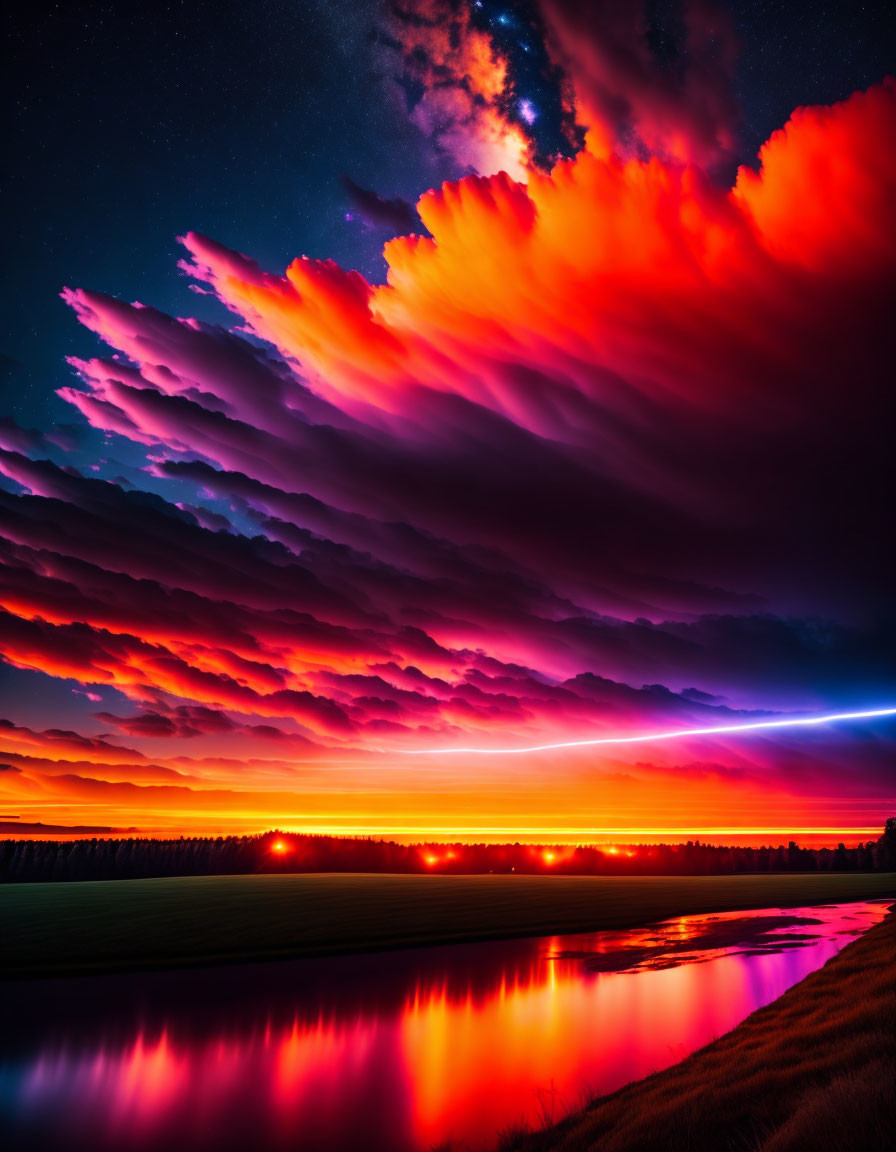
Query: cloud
x=17 y=439
x=595 y=458
x=646 y=82
x=457 y=87
x=32 y=442
x=182 y=721
x=397 y=214
x=601 y=364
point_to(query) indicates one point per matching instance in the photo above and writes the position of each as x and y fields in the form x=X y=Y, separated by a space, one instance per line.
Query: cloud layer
x=599 y=456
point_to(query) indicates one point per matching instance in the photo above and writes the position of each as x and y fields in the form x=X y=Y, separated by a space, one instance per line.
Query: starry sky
x=590 y=448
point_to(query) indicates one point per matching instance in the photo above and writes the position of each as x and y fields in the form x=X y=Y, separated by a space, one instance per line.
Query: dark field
x=53 y=929
x=815 y=1071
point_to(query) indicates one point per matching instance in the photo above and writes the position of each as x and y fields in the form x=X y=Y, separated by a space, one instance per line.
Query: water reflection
x=393 y=1052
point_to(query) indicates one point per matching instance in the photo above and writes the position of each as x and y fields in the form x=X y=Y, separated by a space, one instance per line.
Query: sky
x=390 y=386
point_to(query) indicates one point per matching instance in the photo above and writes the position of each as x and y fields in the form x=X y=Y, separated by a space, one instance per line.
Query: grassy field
x=815 y=1070
x=53 y=929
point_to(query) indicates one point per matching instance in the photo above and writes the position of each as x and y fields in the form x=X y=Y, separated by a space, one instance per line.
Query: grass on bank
x=814 y=1071
x=68 y=928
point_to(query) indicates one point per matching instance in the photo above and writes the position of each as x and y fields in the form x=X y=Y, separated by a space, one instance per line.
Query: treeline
x=26 y=861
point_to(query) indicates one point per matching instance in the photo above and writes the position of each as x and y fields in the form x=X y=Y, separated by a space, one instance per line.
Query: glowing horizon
x=607 y=834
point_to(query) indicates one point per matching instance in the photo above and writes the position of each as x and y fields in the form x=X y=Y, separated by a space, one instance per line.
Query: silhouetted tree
x=109 y=859
x=886 y=854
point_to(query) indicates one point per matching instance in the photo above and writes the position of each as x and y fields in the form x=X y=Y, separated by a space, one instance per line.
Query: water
x=394 y=1052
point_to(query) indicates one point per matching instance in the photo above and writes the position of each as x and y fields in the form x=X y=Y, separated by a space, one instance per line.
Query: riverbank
x=815 y=1069
x=74 y=928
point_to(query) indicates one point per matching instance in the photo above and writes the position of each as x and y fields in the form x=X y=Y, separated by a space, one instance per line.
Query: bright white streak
x=803 y=721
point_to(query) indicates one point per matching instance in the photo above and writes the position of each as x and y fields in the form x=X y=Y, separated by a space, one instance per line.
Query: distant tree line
x=26 y=861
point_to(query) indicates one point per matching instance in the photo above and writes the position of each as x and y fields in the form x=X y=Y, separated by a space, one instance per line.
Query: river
x=390 y=1052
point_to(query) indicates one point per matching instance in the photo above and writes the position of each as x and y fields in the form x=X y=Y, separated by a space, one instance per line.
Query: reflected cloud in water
x=391 y=1052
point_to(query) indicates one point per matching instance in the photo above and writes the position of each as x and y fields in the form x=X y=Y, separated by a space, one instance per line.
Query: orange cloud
x=464 y=81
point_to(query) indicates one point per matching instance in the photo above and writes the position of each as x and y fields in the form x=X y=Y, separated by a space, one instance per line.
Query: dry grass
x=815 y=1071
x=55 y=929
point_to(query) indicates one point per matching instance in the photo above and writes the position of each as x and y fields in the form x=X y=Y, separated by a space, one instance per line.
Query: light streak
x=725 y=729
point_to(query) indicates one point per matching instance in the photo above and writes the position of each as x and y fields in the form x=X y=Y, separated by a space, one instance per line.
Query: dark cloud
x=397 y=215
x=17 y=439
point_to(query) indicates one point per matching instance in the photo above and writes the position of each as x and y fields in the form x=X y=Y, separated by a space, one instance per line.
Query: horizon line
x=604 y=835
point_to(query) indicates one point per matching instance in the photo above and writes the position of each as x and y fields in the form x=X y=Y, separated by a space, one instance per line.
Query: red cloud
x=680 y=109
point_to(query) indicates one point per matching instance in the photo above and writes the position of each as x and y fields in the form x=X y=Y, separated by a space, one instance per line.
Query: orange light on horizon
x=549 y=857
x=279 y=847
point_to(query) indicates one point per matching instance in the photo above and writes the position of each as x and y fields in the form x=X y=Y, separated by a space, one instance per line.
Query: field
x=816 y=1069
x=55 y=929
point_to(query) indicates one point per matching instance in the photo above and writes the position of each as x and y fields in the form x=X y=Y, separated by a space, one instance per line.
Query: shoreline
x=815 y=1068
x=69 y=929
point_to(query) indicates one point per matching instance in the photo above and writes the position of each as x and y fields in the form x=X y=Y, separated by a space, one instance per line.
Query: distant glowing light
x=549 y=857
x=431 y=860
x=528 y=111
x=279 y=847
x=725 y=729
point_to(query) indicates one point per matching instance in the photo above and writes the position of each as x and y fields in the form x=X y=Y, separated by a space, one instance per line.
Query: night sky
x=609 y=455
